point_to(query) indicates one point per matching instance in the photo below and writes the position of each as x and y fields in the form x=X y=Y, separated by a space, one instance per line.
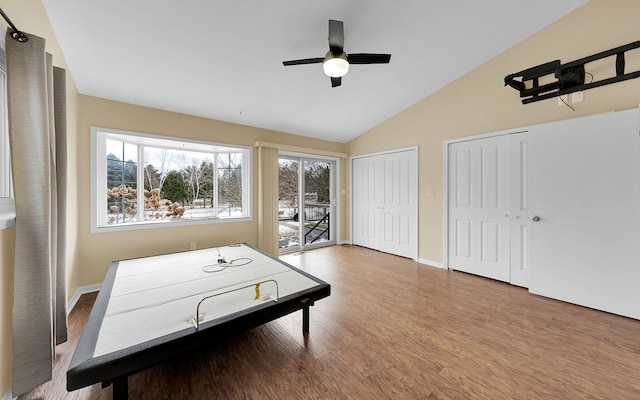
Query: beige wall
x=97 y=250
x=479 y=103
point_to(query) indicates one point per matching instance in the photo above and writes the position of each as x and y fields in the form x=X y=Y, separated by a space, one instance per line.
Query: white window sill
x=7 y=213
x=165 y=224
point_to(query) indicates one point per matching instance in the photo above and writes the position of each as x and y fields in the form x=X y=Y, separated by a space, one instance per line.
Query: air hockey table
x=152 y=309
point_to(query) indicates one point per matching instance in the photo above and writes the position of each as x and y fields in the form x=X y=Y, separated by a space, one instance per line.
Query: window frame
x=98 y=137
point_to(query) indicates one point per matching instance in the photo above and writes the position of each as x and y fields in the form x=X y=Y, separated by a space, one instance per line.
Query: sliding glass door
x=306 y=203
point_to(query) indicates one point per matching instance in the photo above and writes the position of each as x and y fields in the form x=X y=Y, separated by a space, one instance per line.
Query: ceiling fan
x=336 y=62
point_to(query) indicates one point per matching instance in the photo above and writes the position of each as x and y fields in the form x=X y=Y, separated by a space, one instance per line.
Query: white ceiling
x=223 y=59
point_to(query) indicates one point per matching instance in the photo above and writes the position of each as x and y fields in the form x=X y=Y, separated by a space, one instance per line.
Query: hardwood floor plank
x=394 y=329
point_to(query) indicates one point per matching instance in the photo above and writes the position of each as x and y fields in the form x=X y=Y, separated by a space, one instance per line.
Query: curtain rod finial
x=15 y=33
x=19 y=36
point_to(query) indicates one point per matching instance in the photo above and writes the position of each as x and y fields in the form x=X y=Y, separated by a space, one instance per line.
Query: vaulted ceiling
x=223 y=59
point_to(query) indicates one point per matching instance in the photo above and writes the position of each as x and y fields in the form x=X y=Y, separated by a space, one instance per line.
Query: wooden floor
x=394 y=329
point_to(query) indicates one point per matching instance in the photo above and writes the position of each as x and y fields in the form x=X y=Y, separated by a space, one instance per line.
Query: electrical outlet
x=193 y=246
x=577 y=97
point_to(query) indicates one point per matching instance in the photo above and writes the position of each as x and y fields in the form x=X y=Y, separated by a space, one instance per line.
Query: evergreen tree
x=120 y=172
x=114 y=171
x=176 y=187
x=130 y=174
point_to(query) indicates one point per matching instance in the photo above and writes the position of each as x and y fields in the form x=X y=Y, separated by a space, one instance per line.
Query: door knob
x=535 y=218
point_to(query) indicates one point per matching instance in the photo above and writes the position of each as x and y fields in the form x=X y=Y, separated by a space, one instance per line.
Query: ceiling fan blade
x=368 y=58
x=336 y=36
x=304 y=61
x=336 y=82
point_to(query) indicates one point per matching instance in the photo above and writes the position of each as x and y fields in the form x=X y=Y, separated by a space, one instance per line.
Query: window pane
x=122 y=182
x=289 y=226
x=199 y=172
x=178 y=180
x=317 y=204
x=229 y=184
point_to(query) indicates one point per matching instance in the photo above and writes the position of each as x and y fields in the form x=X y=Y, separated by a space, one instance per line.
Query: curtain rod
x=15 y=33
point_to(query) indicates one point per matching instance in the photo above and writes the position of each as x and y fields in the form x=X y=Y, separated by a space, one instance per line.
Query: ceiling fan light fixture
x=335 y=66
x=336 y=62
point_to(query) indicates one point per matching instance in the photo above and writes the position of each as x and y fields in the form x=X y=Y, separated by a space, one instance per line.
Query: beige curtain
x=60 y=154
x=268 y=200
x=37 y=124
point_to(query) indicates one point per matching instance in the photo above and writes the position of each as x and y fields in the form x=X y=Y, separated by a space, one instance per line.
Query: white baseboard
x=344 y=242
x=7 y=396
x=431 y=263
x=76 y=296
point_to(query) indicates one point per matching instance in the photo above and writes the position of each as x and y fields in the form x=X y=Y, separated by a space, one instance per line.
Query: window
x=146 y=180
x=7 y=207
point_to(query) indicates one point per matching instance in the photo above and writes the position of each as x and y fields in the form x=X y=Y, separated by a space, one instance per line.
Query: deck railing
x=317 y=223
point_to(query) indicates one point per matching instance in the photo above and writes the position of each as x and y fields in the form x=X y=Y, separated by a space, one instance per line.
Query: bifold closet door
x=384 y=203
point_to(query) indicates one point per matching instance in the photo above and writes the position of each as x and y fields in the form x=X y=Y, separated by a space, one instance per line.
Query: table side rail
x=139 y=358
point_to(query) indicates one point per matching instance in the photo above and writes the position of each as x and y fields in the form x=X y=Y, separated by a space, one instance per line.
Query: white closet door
x=585 y=188
x=365 y=203
x=385 y=198
x=478 y=207
x=399 y=191
x=519 y=209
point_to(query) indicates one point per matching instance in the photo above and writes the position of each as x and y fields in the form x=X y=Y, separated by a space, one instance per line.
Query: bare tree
x=152 y=177
x=288 y=180
x=195 y=174
x=164 y=157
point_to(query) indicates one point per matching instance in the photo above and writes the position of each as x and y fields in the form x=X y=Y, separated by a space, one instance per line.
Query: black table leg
x=305 y=318
x=121 y=388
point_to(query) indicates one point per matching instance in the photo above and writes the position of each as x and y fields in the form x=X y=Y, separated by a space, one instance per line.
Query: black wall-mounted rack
x=569 y=76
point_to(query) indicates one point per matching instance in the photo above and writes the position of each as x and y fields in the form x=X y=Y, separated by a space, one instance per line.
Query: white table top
x=155 y=296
